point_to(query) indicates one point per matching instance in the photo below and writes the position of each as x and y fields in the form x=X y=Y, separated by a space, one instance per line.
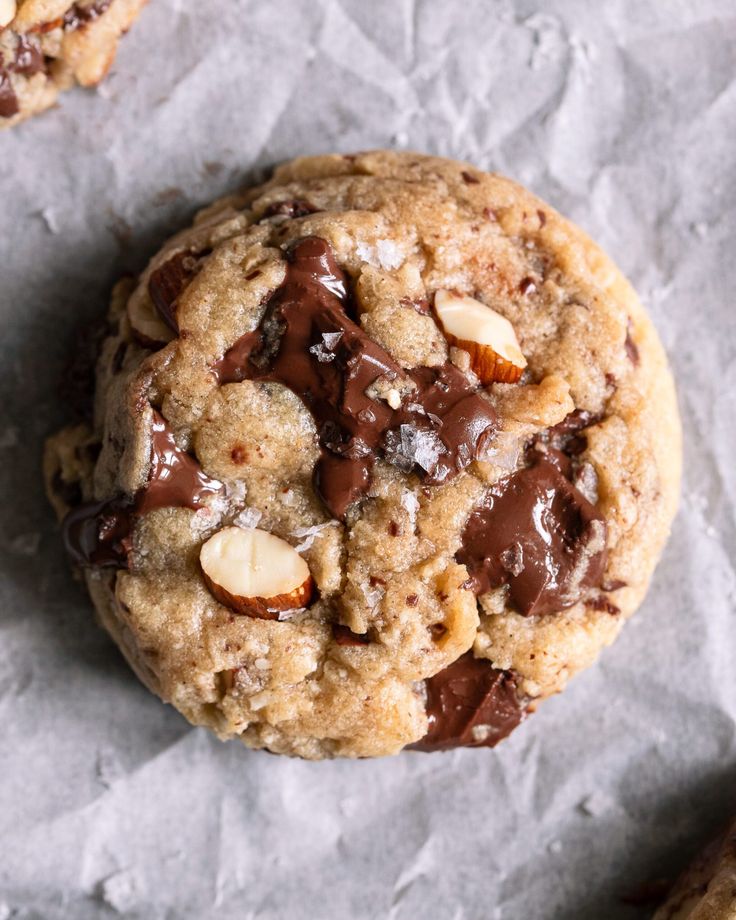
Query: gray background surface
x=623 y=115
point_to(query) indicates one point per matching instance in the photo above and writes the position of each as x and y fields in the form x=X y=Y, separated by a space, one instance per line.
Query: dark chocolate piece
x=537 y=533
x=470 y=704
x=340 y=481
x=82 y=14
x=29 y=59
x=566 y=436
x=447 y=407
x=167 y=282
x=307 y=342
x=176 y=479
x=98 y=533
x=8 y=99
x=294 y=208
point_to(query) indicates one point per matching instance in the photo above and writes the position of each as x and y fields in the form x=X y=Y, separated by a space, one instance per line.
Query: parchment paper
x=622 y=114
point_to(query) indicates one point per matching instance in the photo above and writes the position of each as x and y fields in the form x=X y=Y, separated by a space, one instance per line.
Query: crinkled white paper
x=622 y=114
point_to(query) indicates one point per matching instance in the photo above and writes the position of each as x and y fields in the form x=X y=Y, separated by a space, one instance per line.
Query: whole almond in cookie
x=255 y=573
x=8 y=10
x=488 y=337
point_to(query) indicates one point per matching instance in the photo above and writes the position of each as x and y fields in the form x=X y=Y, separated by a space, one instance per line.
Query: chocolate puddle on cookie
x=98 y=533
x=437 y=422
x=536 y=532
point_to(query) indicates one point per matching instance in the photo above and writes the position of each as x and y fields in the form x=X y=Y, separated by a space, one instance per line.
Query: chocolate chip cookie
x=383 y=451
x=47 y=45
x=707 y=889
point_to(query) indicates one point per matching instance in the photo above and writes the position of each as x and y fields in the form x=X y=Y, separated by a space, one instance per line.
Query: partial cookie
x=388 y=451
x=47 y=45
x=707 y=889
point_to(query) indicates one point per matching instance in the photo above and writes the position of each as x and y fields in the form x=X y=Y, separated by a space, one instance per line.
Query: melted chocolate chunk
x=98 y=533
x=176 y=479
x=294 y=208
x=470 y=704
x=307 y=342
x=566 y=437
x=29 y=59
x=8 y=99
x=539 y=535
x=444 y=402
x=166 y=284
x=80 y=14
x=340 y=481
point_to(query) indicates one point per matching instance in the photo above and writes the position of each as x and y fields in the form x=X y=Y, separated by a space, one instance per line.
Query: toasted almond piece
x=255 y=573
x=488 y=337
x=8 y=9
x=148 y=328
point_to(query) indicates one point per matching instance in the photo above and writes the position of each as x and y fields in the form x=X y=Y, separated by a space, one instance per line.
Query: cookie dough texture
x=48 y=45
x=402 y=226
x=707 y=889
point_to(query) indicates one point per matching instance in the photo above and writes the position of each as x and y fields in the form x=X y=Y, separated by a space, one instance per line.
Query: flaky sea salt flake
x=310 y=534
x=410 y=503
x=389 y=255
x=422 y=447
x=248 y=518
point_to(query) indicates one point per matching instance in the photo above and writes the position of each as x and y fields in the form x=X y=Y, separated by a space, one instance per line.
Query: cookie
x=48 y=45
x=707 y=889
x=383 y=452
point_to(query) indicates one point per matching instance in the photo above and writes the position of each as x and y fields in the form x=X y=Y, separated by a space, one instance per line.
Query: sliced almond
x=8 y=9
x=148 y=327
x=488 y=337
x=255 y=573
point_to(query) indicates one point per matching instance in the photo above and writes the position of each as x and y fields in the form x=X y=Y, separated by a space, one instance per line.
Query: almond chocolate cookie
x=48 y=45
x=707 y=889
x=383 y=452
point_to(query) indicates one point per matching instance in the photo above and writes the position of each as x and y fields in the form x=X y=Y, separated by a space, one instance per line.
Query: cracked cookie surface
x=281 y=365
x=48 y=45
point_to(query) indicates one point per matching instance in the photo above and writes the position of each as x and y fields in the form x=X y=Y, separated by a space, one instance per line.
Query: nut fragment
x=255 y=573
x=8 y=9
x=148 y=328
x=488 y=337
